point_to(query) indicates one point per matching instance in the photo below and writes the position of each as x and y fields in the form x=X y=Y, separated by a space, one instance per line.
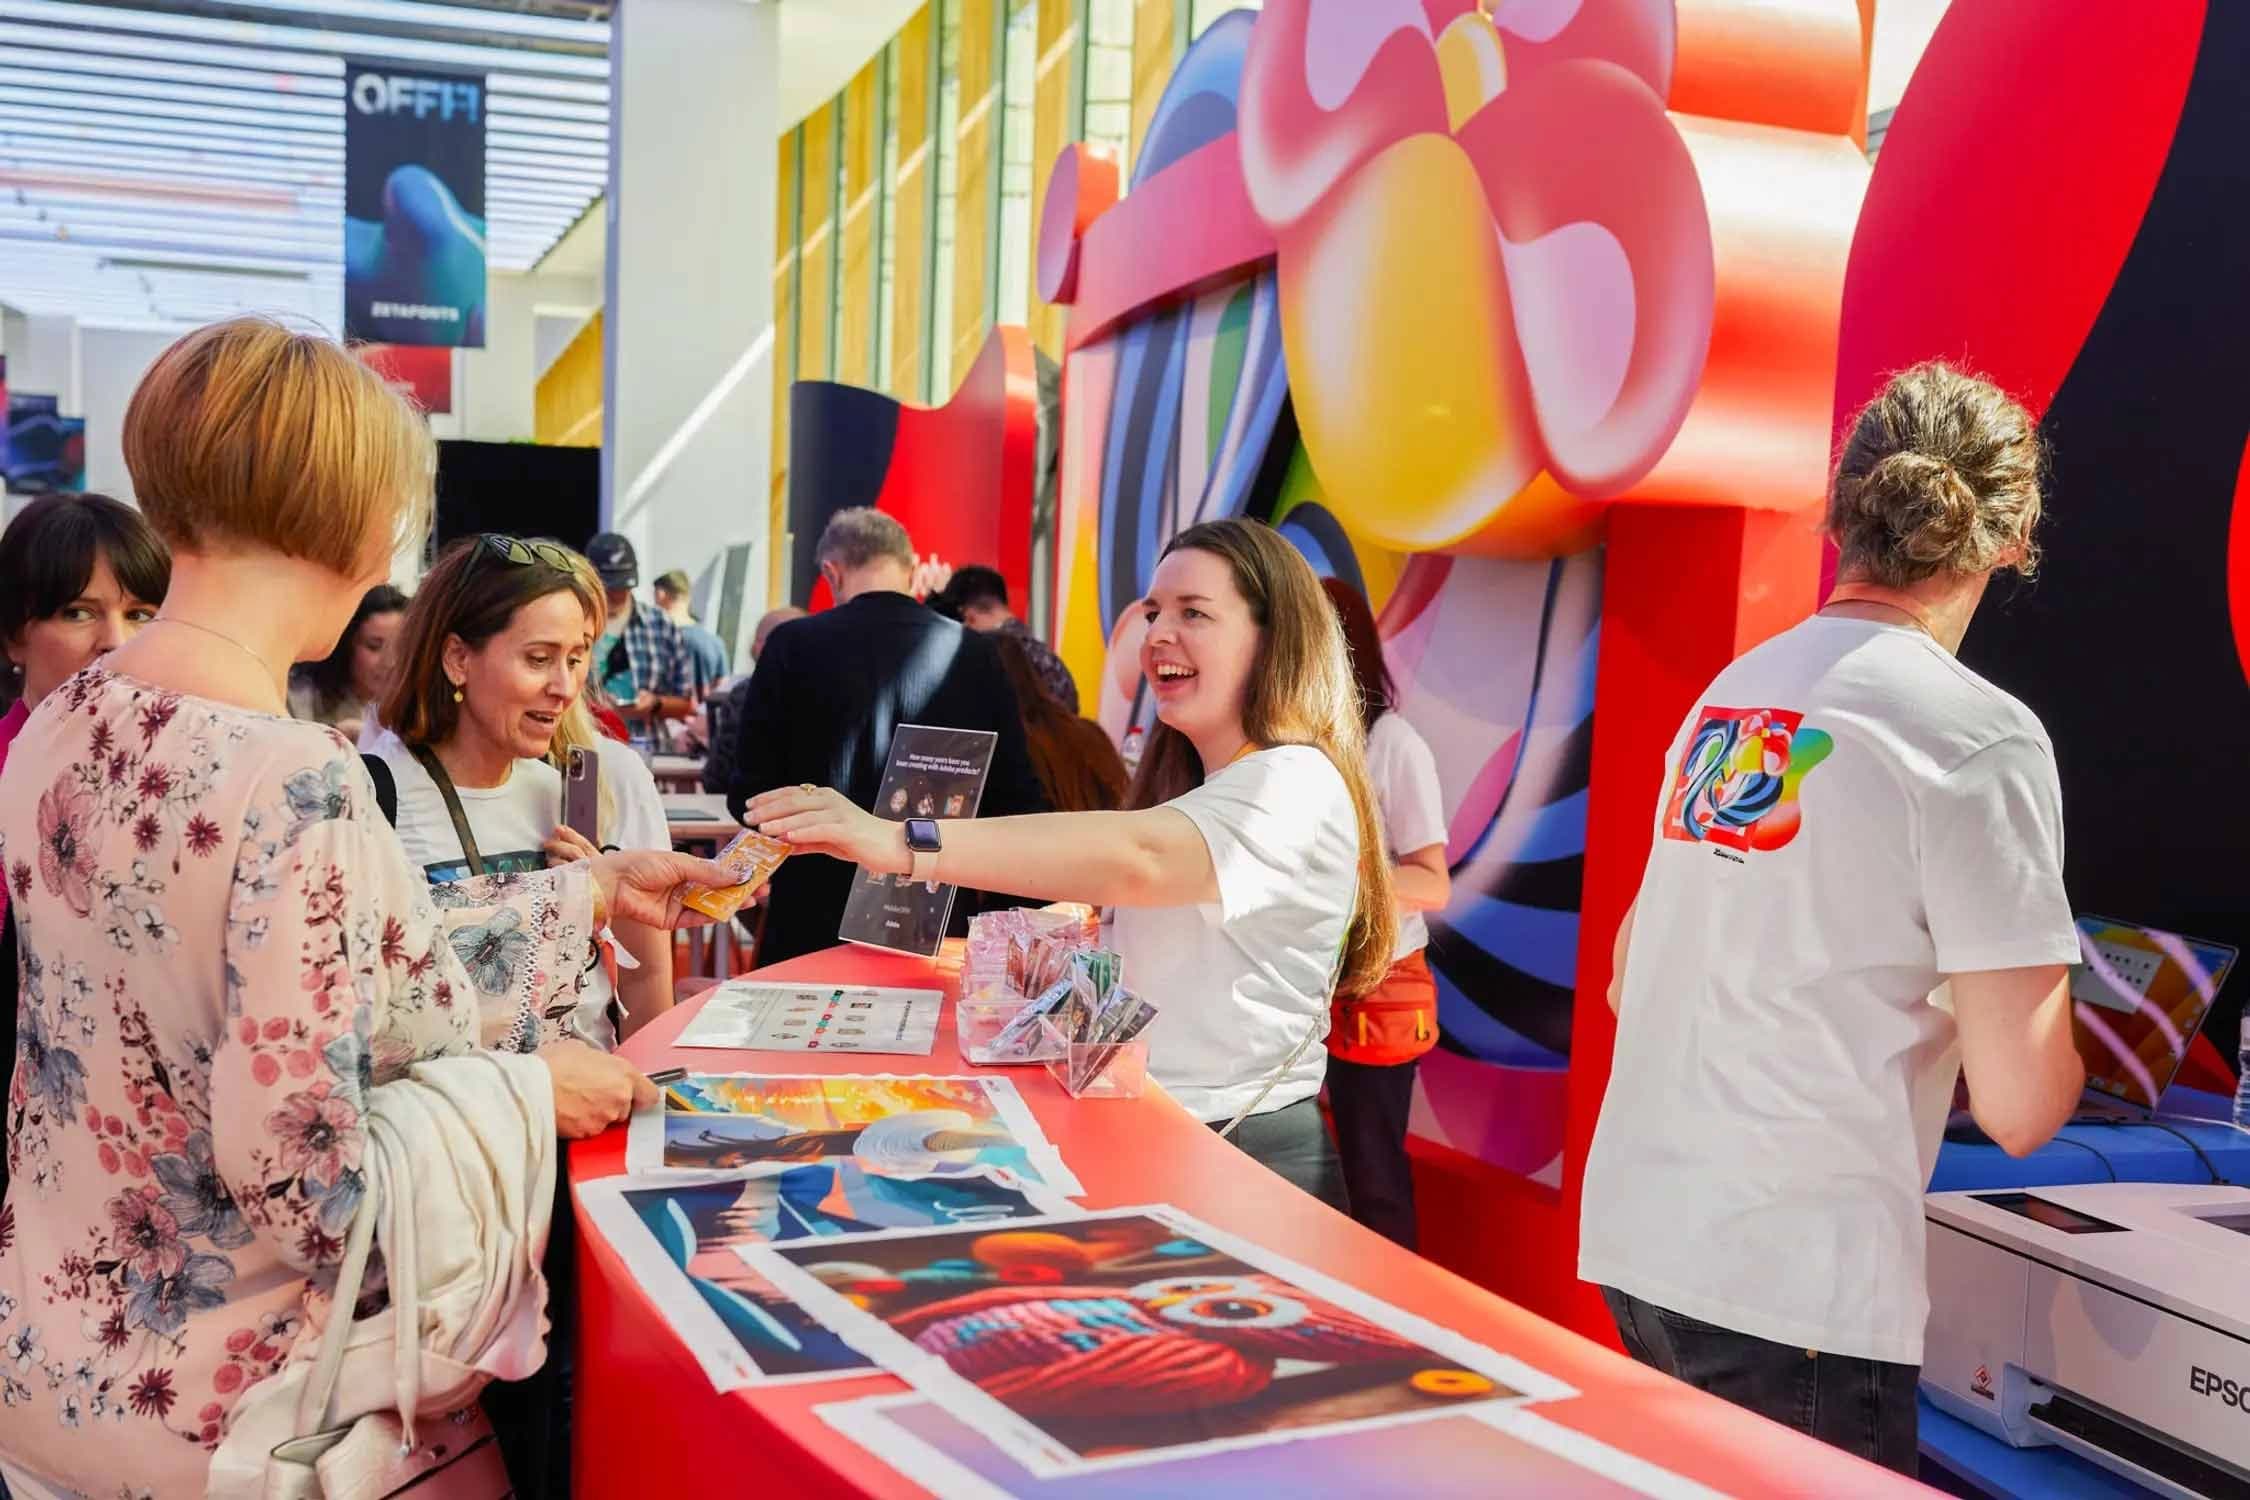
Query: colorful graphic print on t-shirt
x=517 y=862
x=1738 y=781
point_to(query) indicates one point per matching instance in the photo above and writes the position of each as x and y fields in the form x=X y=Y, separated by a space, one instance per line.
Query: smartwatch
x=923 y=843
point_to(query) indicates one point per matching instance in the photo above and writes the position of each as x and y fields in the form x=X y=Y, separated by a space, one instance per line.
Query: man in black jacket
x=829 y=690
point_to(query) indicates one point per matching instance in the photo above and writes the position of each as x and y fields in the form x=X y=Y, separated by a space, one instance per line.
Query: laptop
x=2138 y=998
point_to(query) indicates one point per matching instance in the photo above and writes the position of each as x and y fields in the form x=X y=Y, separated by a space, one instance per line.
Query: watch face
x=922 y=836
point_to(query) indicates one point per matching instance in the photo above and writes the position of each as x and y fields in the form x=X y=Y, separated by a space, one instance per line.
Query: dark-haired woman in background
x=79 y=575
x=343 y=687
x=1076 y=762
x=1375 y=1038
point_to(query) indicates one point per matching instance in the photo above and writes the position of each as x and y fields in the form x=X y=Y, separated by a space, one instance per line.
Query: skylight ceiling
x=166 y=167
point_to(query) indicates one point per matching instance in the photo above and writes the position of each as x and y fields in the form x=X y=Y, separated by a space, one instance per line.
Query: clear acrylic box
x=1095 y=1070
x=978 y=1020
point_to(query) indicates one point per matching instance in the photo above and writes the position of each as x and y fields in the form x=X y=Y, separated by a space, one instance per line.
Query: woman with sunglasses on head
x=491 y=664
x=79 y=576
x=343 y=687
x=247 y=1023
x=1248 y=874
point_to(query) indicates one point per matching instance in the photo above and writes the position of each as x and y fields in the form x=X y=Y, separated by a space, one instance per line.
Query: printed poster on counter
x=1137 y=1336
x=414 y=225
x=677 y=1237
x=1458 y=1456
x=890 y=1125
x=932 y=773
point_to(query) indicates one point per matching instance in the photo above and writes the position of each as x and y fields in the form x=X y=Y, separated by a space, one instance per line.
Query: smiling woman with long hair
x=1248 y=872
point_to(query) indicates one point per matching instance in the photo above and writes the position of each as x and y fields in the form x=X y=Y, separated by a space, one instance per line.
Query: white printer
x=2111 y=1319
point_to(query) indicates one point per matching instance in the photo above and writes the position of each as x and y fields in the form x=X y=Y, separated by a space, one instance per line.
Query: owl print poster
x=1135 y=1336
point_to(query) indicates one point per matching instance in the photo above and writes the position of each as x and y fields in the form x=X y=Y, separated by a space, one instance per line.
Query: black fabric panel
x=2124 y=647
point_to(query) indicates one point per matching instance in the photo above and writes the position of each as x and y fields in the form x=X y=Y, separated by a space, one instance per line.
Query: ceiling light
x=106 y=63
x=260 y=34
x=260 y=96
x=122 y=130
x=407 y=12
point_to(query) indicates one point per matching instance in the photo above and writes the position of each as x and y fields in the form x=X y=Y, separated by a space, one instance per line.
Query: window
x=948 y=192
x=886 y=223
x=1109 y=77
x=1018 y=79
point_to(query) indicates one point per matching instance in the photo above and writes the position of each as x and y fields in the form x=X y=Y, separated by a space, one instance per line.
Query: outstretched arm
x=1154 y=857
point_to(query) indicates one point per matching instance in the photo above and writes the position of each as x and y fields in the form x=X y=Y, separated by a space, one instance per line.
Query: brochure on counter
x=932 y=773
x=747 y=1016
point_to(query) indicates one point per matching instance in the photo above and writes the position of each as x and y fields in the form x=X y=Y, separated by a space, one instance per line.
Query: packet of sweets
x=754 y=857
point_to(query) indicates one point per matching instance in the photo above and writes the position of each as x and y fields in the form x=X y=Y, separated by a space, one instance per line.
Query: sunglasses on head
x=524 y=554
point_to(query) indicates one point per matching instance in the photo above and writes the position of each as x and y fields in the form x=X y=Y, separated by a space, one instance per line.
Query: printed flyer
x=932 y=773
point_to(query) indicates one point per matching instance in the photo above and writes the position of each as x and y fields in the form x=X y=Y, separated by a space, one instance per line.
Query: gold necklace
x=221 y=636
x=1854 y=594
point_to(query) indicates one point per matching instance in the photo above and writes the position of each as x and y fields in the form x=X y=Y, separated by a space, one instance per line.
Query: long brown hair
x=473 y=592
x=1301 y=692
x=1365 y=643
x=1076 y=762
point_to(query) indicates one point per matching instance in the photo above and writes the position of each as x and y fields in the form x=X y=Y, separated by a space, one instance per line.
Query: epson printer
x=2112 y=1319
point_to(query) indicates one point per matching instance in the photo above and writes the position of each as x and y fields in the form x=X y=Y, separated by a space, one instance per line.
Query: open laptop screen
x=2139 y=996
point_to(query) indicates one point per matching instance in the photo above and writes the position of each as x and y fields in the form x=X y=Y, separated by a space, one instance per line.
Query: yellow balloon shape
x=1403 y=365
x=1474 y=65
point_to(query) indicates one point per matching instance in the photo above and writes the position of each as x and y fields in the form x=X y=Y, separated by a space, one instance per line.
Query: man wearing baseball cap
x=642 y=660
x=712 y=659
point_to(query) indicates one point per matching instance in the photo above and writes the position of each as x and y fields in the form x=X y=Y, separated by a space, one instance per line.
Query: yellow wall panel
x=567 y=406
x=816 y=255
x=910 y=290
x=979 y=155
x=1156 y=29
x=1053 y=127
x=862 y=157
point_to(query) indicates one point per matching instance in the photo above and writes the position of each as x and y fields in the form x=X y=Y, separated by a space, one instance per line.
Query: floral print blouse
x=224 y=950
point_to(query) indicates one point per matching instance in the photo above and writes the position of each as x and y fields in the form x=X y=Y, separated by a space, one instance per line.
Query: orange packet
x=754 y=857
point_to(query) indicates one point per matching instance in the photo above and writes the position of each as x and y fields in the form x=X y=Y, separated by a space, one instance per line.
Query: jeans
x=1863 y=1406
x=1370 y=1106
x=1293 y=1141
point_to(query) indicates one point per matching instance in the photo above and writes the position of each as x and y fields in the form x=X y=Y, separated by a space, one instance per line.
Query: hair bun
x=1922 y=500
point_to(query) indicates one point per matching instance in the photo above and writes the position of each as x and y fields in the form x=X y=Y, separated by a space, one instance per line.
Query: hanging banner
x=413 y=206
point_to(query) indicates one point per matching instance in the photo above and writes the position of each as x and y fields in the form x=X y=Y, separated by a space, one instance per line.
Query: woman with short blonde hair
x=231 y=969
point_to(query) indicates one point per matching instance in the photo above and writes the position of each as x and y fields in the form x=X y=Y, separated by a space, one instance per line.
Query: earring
x=457 y=695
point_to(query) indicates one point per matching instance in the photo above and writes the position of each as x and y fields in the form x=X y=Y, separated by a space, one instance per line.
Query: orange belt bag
x=1393 y=1023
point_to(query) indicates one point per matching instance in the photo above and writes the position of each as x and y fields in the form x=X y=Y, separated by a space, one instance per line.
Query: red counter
x=647 y=1418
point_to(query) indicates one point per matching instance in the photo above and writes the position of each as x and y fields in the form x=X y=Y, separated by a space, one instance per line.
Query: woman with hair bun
x=1853 y=897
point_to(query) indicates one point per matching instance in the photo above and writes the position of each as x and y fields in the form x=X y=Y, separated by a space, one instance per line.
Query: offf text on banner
x=414 y=256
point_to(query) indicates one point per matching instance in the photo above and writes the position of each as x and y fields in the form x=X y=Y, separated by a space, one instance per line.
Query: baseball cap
x=613 y=558
x=676 y=582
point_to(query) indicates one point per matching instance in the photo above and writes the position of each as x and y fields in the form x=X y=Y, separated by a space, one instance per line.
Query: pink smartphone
x=582 y=795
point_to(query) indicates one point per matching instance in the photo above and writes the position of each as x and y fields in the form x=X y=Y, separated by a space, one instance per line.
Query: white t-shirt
x=1242 y=983
x=1850 y=816
x=511 y=824
x=636 y=807
x=1404 y=771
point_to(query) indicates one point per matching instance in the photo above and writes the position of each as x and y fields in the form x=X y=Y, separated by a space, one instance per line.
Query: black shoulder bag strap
x=386 y=786
x=429 y=762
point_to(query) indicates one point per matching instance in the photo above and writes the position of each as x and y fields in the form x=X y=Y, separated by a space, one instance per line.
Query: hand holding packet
x=753 y=857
